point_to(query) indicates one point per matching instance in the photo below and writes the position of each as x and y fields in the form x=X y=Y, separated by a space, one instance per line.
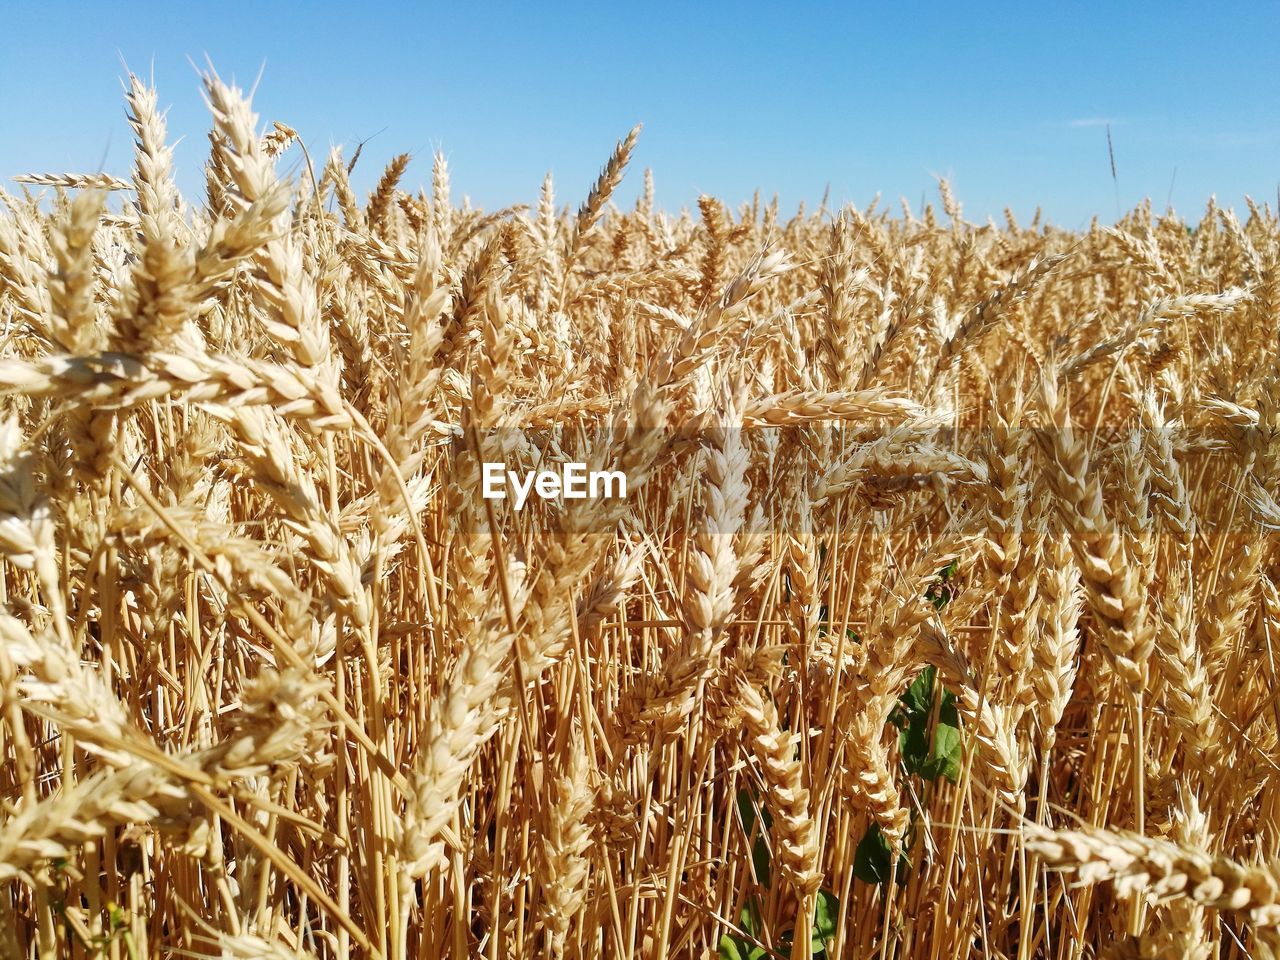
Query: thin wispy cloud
x=1093 y=122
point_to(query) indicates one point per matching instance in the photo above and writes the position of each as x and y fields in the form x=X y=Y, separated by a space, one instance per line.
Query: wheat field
x=937 y=620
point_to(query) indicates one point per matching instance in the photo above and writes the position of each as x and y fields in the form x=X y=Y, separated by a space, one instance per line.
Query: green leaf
x=747 y=811
x=747 y=918
x=760 y=857
x=930 y=754
x=733 y=947
x=872 y=858
x=947 y=755
x=947 y=712
x=825 y=913
x=760 y=860
x=919 y=696
x=945 y=761
x=911 y=717
x=913 y=743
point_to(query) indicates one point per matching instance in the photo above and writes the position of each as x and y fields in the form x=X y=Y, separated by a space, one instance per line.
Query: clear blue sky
x=1007 y=100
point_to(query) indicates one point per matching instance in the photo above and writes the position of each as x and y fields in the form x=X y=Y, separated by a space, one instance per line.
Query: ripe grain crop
x=938 y=620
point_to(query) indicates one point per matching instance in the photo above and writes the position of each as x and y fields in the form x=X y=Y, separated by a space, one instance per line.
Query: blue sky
x=1008 y=101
